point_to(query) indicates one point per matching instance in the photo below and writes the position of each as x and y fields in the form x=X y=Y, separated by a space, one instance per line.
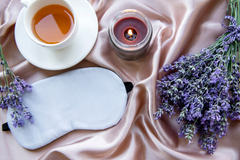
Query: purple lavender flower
x=225 y=48
x=216 y=76
x=205 y=90
x=208 y=141
x=11 y=94
x=28 y=116
x=18 y=122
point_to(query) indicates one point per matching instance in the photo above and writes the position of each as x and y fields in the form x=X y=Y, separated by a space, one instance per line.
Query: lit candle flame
x=130 y=32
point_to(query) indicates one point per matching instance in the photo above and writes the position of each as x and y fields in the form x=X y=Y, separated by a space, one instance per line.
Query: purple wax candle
x=130 y=30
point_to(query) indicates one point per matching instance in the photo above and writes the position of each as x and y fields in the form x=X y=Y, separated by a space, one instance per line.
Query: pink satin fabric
x=179 y=27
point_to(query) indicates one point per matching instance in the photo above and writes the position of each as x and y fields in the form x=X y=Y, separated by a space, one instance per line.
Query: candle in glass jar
x=130 y=30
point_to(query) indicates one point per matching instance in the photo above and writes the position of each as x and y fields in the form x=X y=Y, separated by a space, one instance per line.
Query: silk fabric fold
x=179 y=27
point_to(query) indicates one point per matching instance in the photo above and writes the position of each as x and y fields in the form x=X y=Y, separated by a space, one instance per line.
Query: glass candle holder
x=130 y=32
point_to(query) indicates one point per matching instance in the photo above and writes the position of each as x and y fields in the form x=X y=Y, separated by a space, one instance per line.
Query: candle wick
x=130 y=34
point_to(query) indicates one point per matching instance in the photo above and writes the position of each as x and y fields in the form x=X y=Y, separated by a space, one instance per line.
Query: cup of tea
x=50 y=23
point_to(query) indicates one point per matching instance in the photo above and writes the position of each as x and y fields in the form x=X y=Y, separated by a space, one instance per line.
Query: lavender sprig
x=205 y=87
x=11 y=91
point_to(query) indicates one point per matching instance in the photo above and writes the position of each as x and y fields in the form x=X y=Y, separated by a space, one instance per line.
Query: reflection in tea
x=52 y=24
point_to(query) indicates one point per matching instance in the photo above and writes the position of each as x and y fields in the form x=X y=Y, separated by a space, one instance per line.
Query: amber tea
x=52 y=24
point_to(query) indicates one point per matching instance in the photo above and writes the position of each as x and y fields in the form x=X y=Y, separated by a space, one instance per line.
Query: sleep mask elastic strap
x=128 y=86
x=5 y=127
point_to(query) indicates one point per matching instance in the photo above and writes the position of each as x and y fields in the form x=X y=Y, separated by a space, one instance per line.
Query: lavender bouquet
x=205 y=87
x=11 y=91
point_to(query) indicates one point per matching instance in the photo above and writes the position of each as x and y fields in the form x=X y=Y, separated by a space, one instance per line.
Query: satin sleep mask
x=83 y=99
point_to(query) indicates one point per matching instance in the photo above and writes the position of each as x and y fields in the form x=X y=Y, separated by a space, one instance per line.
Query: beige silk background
x=179 y=27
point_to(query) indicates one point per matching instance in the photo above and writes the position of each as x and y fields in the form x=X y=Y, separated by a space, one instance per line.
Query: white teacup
x=33 y=6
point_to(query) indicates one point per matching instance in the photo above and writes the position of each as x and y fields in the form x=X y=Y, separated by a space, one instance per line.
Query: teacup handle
x=25 y=2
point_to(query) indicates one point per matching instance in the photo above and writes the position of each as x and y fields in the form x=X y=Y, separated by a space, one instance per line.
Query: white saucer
x=64 y=58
